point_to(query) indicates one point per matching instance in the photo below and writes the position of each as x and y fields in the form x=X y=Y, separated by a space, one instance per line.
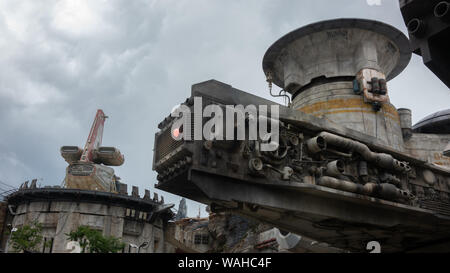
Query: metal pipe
x=339 y=153
x=339 y=184
x=316 y=144
x=335 y=168
x=381 y=159
x=362 y=168
x=255 y=164
x=384 y=191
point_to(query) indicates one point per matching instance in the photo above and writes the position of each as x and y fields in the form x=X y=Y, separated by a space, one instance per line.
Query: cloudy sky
x=60 y=61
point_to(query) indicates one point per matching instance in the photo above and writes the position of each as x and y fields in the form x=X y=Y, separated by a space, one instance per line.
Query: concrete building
x=189 y=235
x=136 y=221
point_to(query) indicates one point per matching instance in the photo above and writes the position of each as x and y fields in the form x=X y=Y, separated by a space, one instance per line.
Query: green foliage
x=27 y=238
x=93 y=241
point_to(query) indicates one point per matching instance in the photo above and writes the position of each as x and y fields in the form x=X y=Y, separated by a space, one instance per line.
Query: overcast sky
x=60 y=61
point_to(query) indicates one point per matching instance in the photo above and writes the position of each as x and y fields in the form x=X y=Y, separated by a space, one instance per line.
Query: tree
x=93 y=241
x=27 y=238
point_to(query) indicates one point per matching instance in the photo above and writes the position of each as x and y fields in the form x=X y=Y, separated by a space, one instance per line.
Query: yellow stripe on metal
x=354 y=105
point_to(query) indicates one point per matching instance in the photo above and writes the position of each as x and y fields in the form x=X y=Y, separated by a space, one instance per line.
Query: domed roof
x=437 y=123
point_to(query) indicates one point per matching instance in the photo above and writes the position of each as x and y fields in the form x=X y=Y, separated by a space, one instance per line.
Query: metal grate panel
x=165 y=144
x=437 y=206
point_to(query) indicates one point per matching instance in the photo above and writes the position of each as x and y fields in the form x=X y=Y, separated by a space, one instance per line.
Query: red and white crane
x=88 y=167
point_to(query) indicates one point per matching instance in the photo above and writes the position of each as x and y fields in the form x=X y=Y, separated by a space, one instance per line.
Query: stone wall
x=60 y=218
x=429 y=147
x=132 y=219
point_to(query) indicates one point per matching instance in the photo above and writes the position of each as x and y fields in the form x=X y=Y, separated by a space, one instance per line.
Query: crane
x=89 y=167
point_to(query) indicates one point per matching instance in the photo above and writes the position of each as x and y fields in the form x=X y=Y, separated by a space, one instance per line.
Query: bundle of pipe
x=385 y=191
x=381 y=159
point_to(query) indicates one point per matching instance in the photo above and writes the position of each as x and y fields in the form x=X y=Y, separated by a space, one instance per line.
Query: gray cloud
x=62 y=60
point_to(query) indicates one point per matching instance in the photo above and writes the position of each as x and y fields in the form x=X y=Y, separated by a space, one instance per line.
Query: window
x=205 y=239
x=197 y=239
x=201 y=239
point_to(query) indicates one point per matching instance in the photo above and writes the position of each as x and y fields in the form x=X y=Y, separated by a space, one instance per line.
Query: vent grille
x=166 y=144
x=437 y=206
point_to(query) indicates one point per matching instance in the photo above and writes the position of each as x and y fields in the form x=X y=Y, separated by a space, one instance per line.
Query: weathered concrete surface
x=336 y=48
x=317 y=64
x=338 y=103
x=61 y=218
x=429 y=147
x=126 y=219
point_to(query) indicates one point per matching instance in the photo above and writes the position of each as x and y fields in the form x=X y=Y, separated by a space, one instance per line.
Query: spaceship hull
x=317 y=212
x=345 y=214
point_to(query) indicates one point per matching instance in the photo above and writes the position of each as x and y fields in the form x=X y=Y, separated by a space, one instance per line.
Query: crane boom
x=94 y=140
x=89 y=167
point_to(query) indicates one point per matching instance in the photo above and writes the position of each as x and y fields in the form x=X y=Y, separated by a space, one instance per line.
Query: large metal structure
x=328 y=67
x=428 y=23
x=88 y=168
x=348 y=167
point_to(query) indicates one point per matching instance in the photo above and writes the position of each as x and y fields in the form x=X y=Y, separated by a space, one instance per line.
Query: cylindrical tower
x=405 y=122
x=338 y=70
